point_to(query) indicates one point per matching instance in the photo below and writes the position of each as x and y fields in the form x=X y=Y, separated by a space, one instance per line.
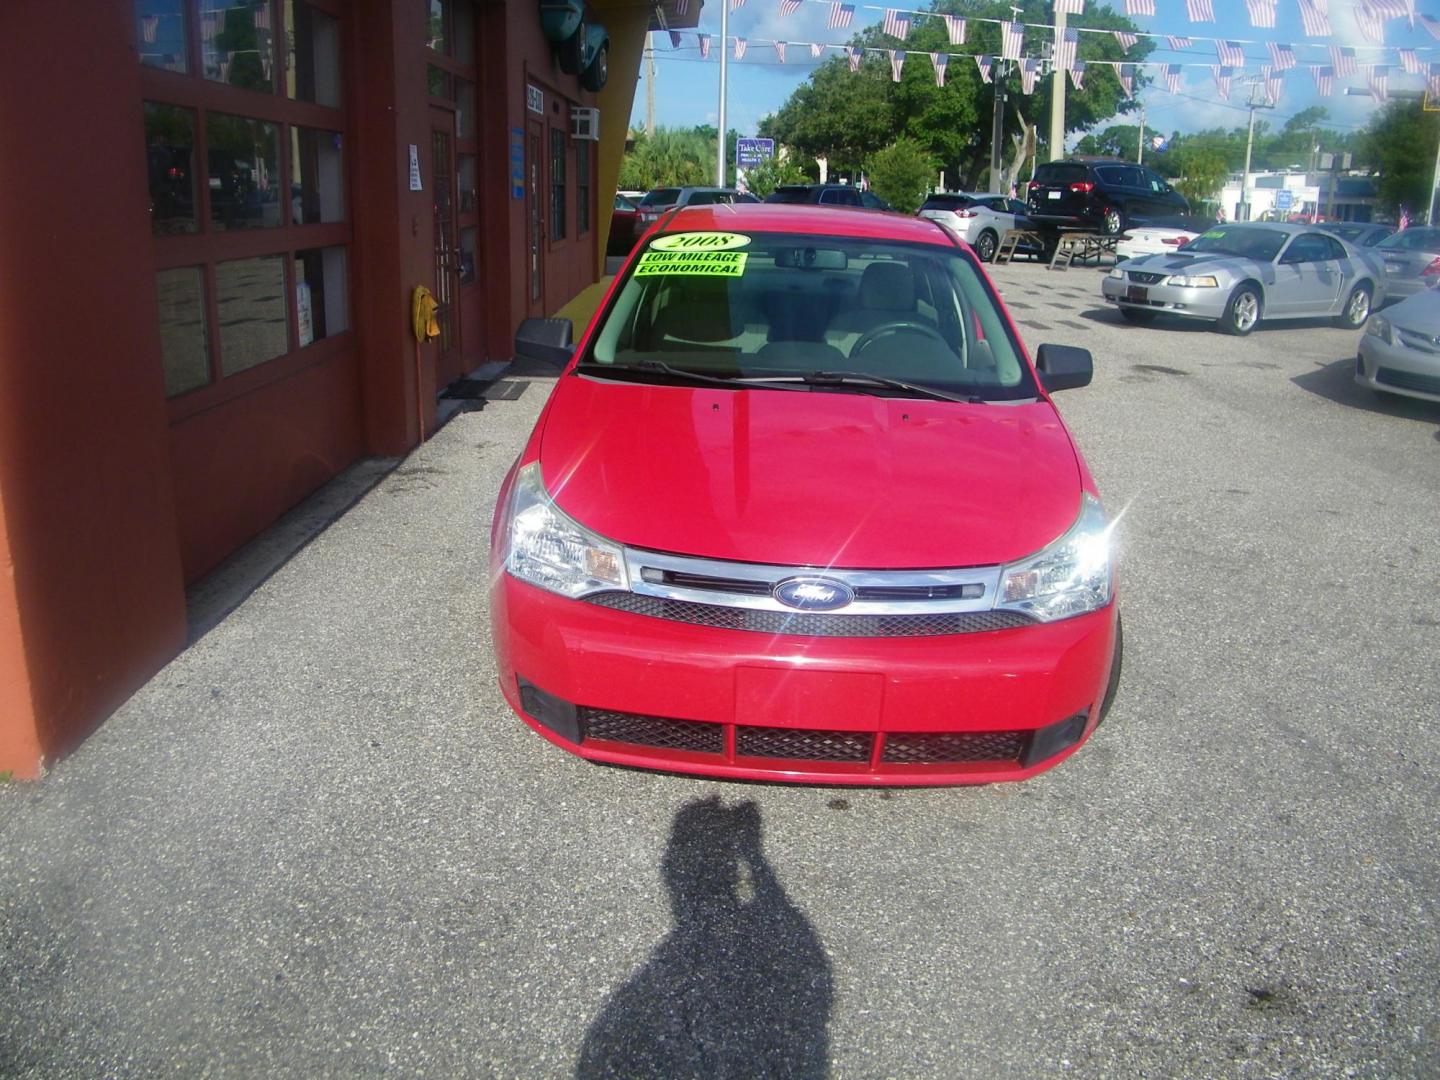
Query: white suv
x=981 y=220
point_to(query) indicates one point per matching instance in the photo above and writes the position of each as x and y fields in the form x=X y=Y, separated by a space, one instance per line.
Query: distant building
x=1333 y=196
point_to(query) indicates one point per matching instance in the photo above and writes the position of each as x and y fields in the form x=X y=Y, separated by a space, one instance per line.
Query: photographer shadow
x=740 y=988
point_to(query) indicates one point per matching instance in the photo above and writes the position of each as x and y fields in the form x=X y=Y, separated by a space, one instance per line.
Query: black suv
x=1103 y=196
x=824 y=194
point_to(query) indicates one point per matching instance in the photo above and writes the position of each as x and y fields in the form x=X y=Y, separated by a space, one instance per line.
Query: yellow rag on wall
x=422 y=314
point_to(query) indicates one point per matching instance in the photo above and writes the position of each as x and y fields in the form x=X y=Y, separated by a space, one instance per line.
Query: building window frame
x=558 y=186
x=584 y=211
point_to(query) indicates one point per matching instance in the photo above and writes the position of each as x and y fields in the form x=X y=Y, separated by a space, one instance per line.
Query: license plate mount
x=1137 y=294
x=1052 y=194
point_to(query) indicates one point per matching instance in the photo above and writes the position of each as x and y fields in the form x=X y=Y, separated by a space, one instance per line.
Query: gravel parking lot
x=319 y=844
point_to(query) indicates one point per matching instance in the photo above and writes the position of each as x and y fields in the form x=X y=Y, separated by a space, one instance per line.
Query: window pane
x=469 y=240
x=465 y=104
x=462 y=29
x=582 y=186
x=466 y=165
x=440 y=82
x=243 y=172
x=321 y=307
x=312 y=55
x=557 y=184
x=160 y=33
x=250 y=301
x=184 y=339
x=237 y=43
x=317 y=181
x=435 y=35
x=170 y=162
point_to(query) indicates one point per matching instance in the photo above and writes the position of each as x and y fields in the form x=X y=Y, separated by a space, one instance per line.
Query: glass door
x=449 y=364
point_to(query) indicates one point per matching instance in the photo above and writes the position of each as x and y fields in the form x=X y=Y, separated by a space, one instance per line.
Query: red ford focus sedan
x=800 y=508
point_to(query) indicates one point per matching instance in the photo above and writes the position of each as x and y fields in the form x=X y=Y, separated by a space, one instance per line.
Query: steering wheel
x=889 y=329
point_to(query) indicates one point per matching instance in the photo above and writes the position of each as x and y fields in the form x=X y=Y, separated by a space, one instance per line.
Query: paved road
x=317 y=844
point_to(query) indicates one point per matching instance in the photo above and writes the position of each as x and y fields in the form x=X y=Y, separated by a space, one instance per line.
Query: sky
x=687 y=88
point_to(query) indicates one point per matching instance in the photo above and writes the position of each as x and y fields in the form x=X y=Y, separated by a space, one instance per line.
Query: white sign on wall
x=415 y=168
x=534 y=99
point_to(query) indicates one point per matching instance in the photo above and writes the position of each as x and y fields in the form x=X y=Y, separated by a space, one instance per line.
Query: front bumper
x=633 y=689
x=1398 y=369
x=1173 y=300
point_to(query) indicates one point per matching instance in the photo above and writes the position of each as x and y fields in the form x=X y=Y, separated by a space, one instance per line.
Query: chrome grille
x=804 y=744
x=811 y=624
x=1417 y=341
x=1408 y=380
x=907 y=748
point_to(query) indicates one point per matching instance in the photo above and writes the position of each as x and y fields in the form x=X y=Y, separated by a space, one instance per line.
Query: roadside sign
x=751 y=152
x=1284 y=199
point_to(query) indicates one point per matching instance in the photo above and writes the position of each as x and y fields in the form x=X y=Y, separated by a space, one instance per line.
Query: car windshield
x=1060 y=173
x=1412 y=240
x=783 y=305
x=660 y=197
x=1259 y=244
x=947 y=202
x=788 y=195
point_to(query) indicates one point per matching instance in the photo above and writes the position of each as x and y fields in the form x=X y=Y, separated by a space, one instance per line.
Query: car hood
x=809 y=478
x=1420 y=313
x=1182 y=263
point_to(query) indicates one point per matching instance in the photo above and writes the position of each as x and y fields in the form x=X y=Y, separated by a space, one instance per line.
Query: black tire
x=572 y=51
x=1357 y=308
x=1138 y=316
x=1112 y=222
x=1242 y=312
x=985 y=245
x=598 y=73
x=1118 y=662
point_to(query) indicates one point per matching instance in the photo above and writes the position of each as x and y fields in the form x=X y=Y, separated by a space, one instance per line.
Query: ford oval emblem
x=813 y=593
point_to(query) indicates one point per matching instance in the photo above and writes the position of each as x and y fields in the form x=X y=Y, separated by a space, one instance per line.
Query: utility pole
x=997 y=126
x=1249 y=144
x=1434 y=183
x=1140 y=149
x=649 y=86
x=724 y=49
x=1057 y=93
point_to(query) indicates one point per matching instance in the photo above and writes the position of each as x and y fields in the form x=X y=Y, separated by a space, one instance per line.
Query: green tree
x=902 y=174
x=672 y=157
x=847 y=116
x=1401 y=139
x=1202 y=174
x=771 y=173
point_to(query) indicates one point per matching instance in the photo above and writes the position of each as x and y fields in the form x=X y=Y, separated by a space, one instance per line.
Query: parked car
x=870 y=201
x=1400 y=350
x=1101 y=195
x=1360 y=234
x=1412 y=260
x=623 y=232
x=774 y=524
x=660 y=200
x=1235 y=275
x=980 y=219
x=1171 y=234
x=820 y=194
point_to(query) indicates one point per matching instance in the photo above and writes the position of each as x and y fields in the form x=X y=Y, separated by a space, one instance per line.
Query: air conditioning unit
x=585 y=123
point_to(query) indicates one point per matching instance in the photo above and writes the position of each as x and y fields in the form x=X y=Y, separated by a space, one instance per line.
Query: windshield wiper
x=862 y=379
x=659 y=367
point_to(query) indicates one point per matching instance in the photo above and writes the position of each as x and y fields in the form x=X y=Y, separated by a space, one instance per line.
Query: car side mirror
x=551 y=341
x=1064 y=367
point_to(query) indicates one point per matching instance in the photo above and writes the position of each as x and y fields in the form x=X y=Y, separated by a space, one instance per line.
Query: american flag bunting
x=1372 y=27
x=682 y=6
x=779 y=51
x=1378 y=78
x=817 y=50
x=1126 y=39
x=984 y=63
x=1262 y=13
x=938 y=60
x=1391 y=9
x=1178 y=43
x=262 y=16
x=736 y=5
x=1274 y=84
x=1077 y=75
x=1342 y=59
x=897 y=61
x=1431 y=25
x=1126 y=73
x=1222 y=81
x=1410 y=61
x=1139 y=7
x=1029 y=69
x=1012 y=36
x=210 y=24
x=740 y=46
x=856 y=54
x=1230 y=53
x=1070 y=7
x=841 y=15
x=1066 y=48
x=955 y=27
x=897 y=23
x=674 y=39
x=1314 y=18
x=704 y=46
x=150 y=28
x=1200 y=10
x=1172 y=78
x=225 y=70
x=789 y=7
x=1282 y=57
x=1324 y=76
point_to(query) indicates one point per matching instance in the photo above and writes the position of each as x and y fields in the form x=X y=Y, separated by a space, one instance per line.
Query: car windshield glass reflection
x=771 y=306
x=1260 y=244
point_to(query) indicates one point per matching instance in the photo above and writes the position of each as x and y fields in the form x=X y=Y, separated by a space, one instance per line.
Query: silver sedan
x=1400 y=350
x=1412 y=261
x=1236 y=275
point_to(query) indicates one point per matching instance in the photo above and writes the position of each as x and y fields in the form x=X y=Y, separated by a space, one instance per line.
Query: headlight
x=545 y=547
x=1186 y=282
x=1378 y=326
x=1070 y=577
x=1116 y=272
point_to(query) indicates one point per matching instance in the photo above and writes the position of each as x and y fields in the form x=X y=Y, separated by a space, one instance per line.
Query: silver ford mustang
x=1236 y=275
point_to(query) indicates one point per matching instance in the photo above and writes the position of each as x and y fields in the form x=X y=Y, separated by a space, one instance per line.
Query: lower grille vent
x=904 y=748
x=803 y=743
x=656 y=731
